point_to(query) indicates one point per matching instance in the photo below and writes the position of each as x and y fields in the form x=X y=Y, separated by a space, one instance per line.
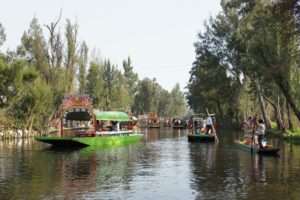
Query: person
x=260 y=132
x=208 y=124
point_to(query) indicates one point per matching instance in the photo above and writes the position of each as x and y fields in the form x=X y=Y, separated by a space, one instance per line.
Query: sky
x=158 y=35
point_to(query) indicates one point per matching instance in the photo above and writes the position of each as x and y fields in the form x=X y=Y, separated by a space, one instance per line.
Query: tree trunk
x=261 y=103
x=277 y=111
x=30 y=126
x=31 y=115
x=279 y=118
x=288 y=96
x=290 y=123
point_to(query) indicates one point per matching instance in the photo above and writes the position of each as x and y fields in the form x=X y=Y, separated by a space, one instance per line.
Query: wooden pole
x=253 y=131
x=213 y=129
x=61 y=126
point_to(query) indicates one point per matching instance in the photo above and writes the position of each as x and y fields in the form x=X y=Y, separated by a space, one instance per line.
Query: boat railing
x=113 y=133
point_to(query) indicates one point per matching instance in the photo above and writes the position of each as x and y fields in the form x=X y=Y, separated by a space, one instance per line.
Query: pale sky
x=158 y=35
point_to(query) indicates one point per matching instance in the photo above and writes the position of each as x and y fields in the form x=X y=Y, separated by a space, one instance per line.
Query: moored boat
x=267 y=150
x=80 y=108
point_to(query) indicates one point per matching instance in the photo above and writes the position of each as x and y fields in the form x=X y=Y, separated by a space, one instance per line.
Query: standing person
x=208 y=124
x=260 y=132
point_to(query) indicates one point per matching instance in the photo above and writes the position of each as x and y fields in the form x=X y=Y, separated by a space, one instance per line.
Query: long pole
x=213 y=129
x=253 y=130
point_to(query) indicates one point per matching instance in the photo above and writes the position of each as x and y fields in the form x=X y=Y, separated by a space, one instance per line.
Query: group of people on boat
x=206 y=126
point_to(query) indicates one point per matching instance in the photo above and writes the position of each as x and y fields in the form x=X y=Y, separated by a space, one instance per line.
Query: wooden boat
x=201 y=138
x=154 y=126
x=267 y=150
x=153 y=121
x=179 y=123
x=80 y=108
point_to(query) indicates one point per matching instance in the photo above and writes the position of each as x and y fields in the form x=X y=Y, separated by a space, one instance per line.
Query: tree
x=179 y=106
x=2 y=35
x=83 y=59
x=71 y=55
x=95 y=83
x=130 y=76
x=34 y=48
x=109 y=74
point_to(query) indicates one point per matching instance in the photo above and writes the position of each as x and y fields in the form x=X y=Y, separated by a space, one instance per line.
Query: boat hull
x=264 y=151
x=154 y=126
x=89 y=141
x=179 y=127
x=201 y=138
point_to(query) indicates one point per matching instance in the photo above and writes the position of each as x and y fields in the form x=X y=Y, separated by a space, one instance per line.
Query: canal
x=162 y=166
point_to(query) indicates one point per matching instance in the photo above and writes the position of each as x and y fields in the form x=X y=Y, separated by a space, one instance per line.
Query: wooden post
x=253 y=130
x=95 y=124
x=61 y=127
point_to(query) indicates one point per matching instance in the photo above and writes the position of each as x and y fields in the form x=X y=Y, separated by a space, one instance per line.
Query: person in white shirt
x=208 y=124
x=260 y=132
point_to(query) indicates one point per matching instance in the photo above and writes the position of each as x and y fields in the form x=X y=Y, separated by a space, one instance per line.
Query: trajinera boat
x=200 y=136
x=254 y=148
x=104 y=125
x=153 y=121
x=198 y=133
x=179 y=123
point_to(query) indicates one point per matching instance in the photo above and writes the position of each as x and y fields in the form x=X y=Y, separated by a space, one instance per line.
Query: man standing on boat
x=208 y=124
x=260 y=132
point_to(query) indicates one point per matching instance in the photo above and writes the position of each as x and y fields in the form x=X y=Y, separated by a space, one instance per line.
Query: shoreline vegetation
x=247 y=64
x=51 y=62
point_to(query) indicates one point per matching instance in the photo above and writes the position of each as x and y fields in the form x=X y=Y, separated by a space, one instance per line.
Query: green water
x=162 y=166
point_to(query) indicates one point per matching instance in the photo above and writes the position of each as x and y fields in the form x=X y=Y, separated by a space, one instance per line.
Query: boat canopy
x=111 y=115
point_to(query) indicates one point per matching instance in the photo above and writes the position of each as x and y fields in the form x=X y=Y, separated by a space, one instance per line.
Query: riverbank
x=289 y=135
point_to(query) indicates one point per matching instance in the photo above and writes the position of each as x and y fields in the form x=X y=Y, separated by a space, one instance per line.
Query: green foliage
x=2 y=35
x=35 y=78
x=83 y=59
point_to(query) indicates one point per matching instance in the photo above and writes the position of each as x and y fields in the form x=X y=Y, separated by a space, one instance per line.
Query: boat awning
x=111 y=115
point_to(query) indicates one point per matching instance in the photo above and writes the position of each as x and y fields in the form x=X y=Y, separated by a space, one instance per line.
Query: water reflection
x=163 y=166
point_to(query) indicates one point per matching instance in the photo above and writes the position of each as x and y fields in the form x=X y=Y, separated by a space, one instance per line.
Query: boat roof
x=111 y=115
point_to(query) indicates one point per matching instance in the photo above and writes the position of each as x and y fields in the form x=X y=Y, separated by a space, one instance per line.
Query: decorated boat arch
x=80 y=108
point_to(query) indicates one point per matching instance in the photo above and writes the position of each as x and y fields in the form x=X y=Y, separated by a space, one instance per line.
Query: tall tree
x=109 y=74
x=34 y=48
x=83 y=60
x=2 y=35
x=130 y=76
x=95 y=83
x=71 y=54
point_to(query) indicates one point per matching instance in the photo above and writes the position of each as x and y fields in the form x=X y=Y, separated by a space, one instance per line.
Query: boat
x=153 y=121
x=143 y=121
x=179 y=123
x=103 y=129
x=267 y=150
x=201 y=137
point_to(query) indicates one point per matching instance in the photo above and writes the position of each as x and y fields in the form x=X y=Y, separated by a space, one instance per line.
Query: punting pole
x=61 y=127
x=253 y=130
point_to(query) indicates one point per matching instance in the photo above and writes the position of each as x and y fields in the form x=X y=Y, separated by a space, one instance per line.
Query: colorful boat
x=201 y=137
x=80 y=108
x=153 y=121
x=267 y=150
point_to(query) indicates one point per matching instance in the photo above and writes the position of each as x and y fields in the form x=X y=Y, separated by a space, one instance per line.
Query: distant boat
x=267 y=150
x=179 y=123
x=80 y=108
